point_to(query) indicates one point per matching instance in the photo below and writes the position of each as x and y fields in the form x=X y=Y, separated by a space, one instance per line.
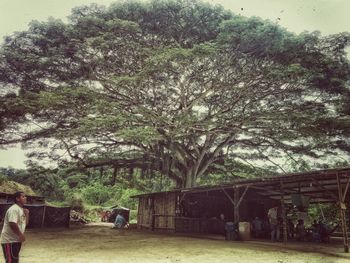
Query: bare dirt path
x=99 y=243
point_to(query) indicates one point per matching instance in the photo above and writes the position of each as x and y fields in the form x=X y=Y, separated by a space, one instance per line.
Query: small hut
x=40 y=213
x=8 y=188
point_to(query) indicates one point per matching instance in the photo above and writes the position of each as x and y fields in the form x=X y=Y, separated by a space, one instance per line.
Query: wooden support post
x=229 y=197
x=348 y=201
x=236 y=201
x=153 y=219
x=346 y=190
x=342 y=209
x=43 y=218
x=236 y=208
x=284 y=215
x=242 y=196
x=138 y=222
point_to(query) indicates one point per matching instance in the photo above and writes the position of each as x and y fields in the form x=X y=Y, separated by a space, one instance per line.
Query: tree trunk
x=131 y=173
x=101 y=174
x=190 y=180
x=114 y=176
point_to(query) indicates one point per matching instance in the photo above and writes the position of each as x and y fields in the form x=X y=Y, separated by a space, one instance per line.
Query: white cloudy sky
x=326 y=16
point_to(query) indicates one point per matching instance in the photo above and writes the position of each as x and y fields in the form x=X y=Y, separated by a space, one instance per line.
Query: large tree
x=175 y=86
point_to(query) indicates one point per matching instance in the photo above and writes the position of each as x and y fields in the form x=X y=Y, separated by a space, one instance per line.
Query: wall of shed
x=197 y=212
x=144 y=213
x=157 y=212
x=164 y=211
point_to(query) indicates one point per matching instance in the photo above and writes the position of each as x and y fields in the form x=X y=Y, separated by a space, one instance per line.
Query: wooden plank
x=228 y=196
x=242 y=196
x=236 y=208
x=164 y=211
x=152 y=213
x=346 y=190
x=342 y=217
x=284 y=216
x=43 y=218
x=325 y=189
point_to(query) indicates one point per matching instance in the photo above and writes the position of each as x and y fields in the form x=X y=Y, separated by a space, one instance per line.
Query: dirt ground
x=99 y=243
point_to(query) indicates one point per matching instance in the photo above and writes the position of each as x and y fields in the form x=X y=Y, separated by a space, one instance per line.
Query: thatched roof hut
x=10 y=187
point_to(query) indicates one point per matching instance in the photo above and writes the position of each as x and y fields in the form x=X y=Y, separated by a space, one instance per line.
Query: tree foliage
x=176 y=87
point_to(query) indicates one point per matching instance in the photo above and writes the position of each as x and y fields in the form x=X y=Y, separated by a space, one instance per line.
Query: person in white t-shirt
x=15 y=222
x=274 y=224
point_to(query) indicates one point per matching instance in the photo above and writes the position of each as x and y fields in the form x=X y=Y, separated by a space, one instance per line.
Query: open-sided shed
x=197 y=209
x=40 y=213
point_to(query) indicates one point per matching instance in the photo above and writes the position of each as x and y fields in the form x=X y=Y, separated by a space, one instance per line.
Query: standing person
x=15 y=222
x=222 y=226
x=257 y=225
x=290 y=228
x=275 y=227
x=315 y=227
x=300 y=231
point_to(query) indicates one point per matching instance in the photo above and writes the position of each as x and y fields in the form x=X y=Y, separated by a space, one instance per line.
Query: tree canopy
x=179 y=87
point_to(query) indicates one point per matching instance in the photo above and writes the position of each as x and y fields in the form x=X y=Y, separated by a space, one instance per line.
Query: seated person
x=120 y=222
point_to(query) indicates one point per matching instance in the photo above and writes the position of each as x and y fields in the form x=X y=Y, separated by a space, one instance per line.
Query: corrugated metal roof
x=268 y=180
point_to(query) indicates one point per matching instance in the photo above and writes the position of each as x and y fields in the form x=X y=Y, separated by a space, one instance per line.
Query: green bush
x=125 y=200
x=97 y=194
x=77 y=203
x=93 y=213
x=76 y=180
x=325 y=212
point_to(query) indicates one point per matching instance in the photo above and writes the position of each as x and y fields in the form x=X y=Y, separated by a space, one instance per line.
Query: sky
x=326 y=16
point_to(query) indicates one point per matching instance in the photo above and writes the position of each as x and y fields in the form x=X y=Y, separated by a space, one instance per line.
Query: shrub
x=76 y=202
x=97 y=194
x=125 y=200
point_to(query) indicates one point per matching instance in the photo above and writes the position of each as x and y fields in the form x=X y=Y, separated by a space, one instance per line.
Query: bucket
x=244 y=230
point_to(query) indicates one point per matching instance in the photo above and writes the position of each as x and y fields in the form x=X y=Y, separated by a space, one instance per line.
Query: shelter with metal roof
x=195 y=209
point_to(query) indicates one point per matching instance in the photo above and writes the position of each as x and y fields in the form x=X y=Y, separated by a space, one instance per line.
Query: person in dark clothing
x=257 y=227
x=290 y=228
x=315 y=228
x=221 y=225
x=300 y=231
x=324 y=232
x=231 y=231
